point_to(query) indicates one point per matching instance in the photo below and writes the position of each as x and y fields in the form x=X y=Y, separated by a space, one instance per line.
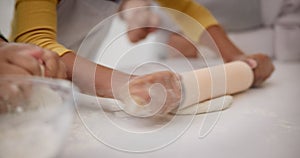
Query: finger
x=36 y=53
x=170 y=80
x=11 y=69
x=259 y=76
x=140 y=86
x=142 y=81
x=62 y=71
x=252 y=63
x=176 y=83
x=257 y=83
x=138 y=34
x=139 y=93
x=174 y=95
x=25 y=61
x=263 y=70
x=167 y=80
x=51 y=62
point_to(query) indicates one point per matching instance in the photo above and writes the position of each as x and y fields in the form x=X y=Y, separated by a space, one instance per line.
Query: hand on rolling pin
x=25 y=59
x=261 y=65
x=156 y=93
x=140 y=21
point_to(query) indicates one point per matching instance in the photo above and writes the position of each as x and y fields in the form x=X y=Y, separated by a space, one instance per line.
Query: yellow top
x=35 y=21
x=195 y=19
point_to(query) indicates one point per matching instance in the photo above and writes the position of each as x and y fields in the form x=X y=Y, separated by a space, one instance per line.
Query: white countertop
x=262 y=122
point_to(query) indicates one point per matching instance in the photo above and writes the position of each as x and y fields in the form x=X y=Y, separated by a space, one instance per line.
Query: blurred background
x=263 y=120
x=267 y=26
x=6 y=12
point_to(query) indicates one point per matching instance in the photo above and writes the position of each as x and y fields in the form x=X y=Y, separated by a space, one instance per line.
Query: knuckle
x=34 y=67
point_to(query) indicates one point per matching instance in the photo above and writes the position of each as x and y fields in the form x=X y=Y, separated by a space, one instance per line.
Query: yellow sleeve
x=194 y=10
x=35 y=22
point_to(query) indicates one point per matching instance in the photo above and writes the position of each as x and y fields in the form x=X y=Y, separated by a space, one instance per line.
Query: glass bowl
x=35 y=114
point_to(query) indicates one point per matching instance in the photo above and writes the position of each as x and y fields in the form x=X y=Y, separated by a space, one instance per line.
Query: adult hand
x=262 y=67
x=160 y=92
x=140 y=20
x=25 y=59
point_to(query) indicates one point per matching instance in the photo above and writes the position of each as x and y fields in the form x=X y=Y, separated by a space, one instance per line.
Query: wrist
x=234 y=57
x=68 y=59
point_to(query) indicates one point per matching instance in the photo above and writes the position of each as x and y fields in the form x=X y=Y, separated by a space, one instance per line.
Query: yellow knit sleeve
x=194 y=10
x=35 y=22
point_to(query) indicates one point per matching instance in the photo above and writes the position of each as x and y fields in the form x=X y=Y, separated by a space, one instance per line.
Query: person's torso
x=77 y=17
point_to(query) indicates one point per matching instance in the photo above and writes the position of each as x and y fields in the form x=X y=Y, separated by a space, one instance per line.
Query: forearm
x=90 y=77
x=221 y=43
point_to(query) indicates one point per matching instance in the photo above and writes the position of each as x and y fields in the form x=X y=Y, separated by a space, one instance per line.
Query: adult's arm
x=203 y=18
x=35 y=22
x=262 y=65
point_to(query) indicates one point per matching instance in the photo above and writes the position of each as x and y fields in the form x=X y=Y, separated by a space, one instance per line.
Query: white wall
x=6 y=14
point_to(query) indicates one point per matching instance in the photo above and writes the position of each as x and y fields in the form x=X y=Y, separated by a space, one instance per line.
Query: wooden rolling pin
x=212 y=82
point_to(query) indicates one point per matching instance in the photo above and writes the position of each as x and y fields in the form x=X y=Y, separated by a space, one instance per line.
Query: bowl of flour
x=35 y=114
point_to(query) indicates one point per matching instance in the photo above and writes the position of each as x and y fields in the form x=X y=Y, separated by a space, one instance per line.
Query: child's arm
x=90 y=77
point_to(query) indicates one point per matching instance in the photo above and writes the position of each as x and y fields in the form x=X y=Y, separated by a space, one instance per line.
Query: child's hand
x=262 y=67
x=160 y=92
x=25 y=59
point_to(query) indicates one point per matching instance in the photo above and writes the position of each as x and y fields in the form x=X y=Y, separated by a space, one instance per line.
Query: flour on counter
x=38 y=130
x=217 y=104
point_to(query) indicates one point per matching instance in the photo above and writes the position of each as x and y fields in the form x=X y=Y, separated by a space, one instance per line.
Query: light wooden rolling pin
x=207 y=83
x=201 y=85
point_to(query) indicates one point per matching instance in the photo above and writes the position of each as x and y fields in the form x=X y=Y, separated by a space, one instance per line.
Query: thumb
x=36 y=53
x=252 y=63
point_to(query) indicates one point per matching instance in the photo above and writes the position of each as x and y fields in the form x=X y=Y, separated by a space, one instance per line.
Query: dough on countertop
x=212 y=105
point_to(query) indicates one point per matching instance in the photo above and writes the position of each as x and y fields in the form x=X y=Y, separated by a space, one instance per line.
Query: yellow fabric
x=189 y=7
x=35 y=22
